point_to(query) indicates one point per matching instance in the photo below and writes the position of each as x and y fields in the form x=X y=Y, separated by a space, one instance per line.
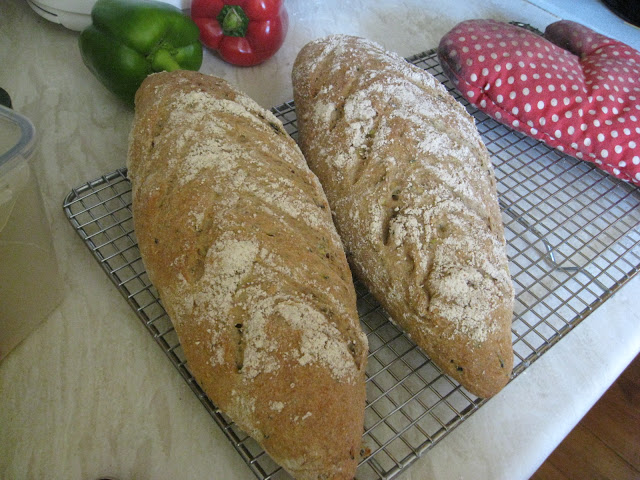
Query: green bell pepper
x=130 y=39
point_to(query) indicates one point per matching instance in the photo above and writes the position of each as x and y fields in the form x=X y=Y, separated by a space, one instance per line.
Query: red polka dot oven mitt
x=574 y=89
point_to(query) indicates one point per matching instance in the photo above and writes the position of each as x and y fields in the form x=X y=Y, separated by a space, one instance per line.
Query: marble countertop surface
x=89 y=394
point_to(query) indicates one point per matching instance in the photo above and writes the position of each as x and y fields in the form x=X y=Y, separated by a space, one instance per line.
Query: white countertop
x=89 y=393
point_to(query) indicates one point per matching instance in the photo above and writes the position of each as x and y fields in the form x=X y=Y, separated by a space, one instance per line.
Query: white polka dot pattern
x=574 y=89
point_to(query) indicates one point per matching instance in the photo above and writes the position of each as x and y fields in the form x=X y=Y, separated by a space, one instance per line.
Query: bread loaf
x=236 y=235
x=413 y=193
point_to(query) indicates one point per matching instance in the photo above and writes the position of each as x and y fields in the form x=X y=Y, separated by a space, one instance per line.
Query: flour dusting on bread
x=414 y=199
x=237 y=236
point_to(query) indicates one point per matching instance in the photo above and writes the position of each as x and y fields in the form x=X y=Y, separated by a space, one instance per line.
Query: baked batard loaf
x=414 y=199
x=236 y=234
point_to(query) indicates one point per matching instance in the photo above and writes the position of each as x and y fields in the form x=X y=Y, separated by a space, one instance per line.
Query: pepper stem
x=163 y=61
x=233 y=20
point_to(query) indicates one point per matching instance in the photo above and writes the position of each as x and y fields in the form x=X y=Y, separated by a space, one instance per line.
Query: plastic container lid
x=17 y=143
x=17 y=137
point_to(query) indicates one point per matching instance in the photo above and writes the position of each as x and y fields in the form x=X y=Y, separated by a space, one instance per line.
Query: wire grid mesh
x=573 y=240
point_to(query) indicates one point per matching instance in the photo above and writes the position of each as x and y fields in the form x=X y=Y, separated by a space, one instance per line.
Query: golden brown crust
x=414 y=198
x=236 y=234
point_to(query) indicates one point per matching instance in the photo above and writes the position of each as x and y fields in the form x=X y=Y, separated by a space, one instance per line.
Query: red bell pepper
x=244 y=32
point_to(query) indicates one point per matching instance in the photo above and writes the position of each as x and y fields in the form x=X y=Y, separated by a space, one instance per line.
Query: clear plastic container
x=30 y=283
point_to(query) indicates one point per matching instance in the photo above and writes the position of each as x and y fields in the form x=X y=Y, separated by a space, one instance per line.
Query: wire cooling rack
x=573 y=239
